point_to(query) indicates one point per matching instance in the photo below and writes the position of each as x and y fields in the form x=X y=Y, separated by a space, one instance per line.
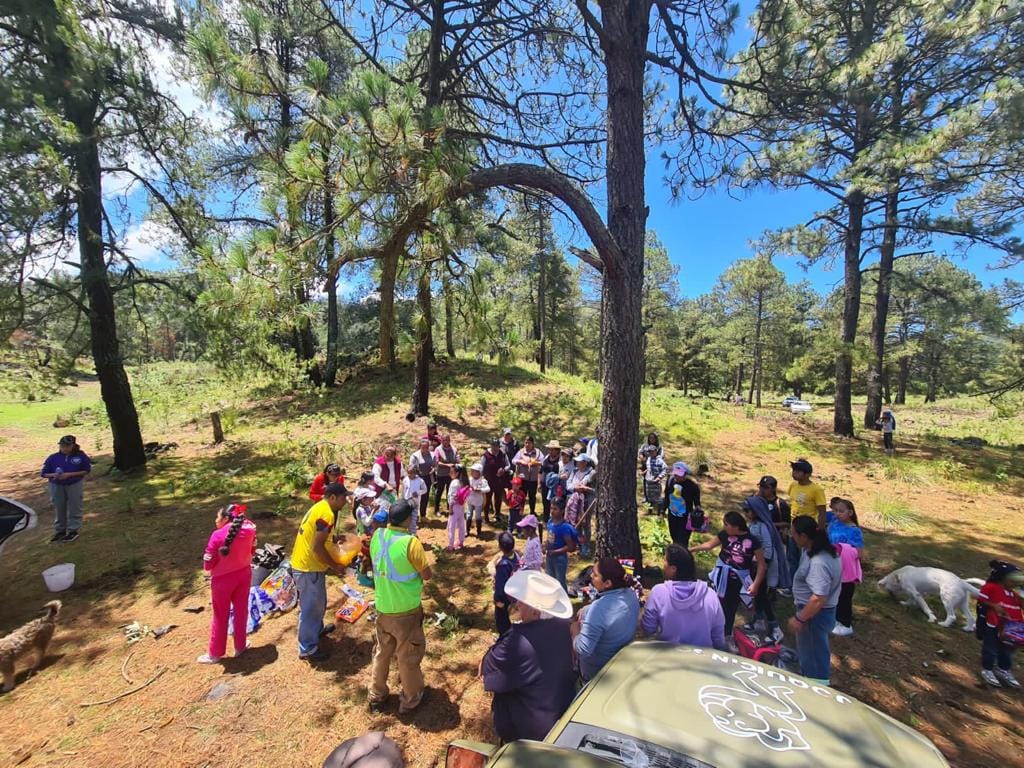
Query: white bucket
x=59 y=577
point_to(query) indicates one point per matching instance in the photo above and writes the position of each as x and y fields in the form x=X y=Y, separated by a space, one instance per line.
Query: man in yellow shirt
x=310 y=561
x=399 y=570
x=806 y=497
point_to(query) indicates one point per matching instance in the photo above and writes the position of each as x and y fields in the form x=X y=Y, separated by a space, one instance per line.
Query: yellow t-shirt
x=319 y=518
x=805 y=499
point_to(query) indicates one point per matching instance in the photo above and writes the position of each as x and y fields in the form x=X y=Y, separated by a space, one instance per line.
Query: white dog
x=913 y=583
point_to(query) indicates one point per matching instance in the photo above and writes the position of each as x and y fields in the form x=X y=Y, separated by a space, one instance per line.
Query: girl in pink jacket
x=228 y=560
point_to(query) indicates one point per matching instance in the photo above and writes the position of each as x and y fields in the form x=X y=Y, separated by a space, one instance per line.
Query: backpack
x=763 y=649
x=462 y=493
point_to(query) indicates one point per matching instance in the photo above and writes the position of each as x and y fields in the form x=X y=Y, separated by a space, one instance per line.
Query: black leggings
x=844 y=608
x=678 y=531
x=530 y=489
x=440 y=490
x=730 y=602
x=425 y=499
x=887 y=440
x=764 y=607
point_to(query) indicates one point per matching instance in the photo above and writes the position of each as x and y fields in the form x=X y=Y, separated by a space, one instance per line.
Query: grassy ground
x=935 y=503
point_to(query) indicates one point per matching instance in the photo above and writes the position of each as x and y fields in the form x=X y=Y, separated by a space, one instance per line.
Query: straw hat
x=540 y=591
x=554 y=444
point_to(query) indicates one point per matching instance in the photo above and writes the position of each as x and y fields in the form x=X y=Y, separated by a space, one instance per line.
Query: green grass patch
x=893 y=514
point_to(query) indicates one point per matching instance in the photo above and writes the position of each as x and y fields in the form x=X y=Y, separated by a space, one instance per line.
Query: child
x=332 y=474
x=844 y=532
x=764 y=600
x=413 y=487
x=228 y=560
x=458 y=493
x=478 y=487
x=740 y=569
x=516 y=499
x=655 y=469
x=561 y=540
x=508 y=563
x=364 y=498
x=533 y=558
x=1002 y=605
x=887 y=423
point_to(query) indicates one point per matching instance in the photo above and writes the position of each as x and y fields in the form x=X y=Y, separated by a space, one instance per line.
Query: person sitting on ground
x=507 y=564
x=682 y=609
x=529 y=668
x=332 y=474
x=608 y=624
x=805 y=496
x=1000 y=604
x=533 y=557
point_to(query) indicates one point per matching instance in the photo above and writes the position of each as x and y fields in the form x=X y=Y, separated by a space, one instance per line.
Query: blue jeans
x=792 y=554
x=312 y=604
x=556 y=567
x=812 y=645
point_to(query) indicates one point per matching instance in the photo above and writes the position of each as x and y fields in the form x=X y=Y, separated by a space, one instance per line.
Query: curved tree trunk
x=424 y=345
x=331 y=364
x=883 y=290
x=386 y=337
x=843 y=421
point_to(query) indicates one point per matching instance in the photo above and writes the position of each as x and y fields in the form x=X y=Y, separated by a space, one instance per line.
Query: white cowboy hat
x=540 y=591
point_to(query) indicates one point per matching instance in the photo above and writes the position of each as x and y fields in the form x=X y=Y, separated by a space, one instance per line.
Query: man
x=805 y=496
x=399 y=570
x=550 y=466
x=496 y=468
x=445 y=459
x=526 y=464
x=311 y=561
x=509 y=445
x=387 y=471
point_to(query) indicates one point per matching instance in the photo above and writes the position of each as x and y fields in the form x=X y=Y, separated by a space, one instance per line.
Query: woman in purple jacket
x=682 y=609
x=65 y=470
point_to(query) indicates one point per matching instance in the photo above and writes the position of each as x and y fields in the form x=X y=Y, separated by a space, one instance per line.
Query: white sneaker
x=990 y=677
x=1006 y=678
x=841 y=630
x=777 y=634
x=208 y=659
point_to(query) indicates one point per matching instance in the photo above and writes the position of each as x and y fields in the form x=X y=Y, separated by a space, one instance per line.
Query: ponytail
x=237 y=514
x=808 y=526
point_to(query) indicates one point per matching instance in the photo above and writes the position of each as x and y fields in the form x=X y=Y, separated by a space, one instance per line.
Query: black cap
x=335 y=489
x=68 y=440
x=767 y=482
x=802 y=465
x=400 y=511
x=332 y=469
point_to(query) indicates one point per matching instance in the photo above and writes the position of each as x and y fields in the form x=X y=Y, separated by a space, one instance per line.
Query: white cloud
x=149 y=244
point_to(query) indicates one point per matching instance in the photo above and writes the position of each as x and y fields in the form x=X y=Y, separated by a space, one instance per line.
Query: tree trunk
x=887 y=256
x=331 y=364
x=218 y=429
x=843 y=420
x=449 y=315
x=626 y=27
x=755 y=376
x=542 y=292
x=106 y=354
x=902 y=380
x=386 y=338
x=424 y=344
x=933 y=379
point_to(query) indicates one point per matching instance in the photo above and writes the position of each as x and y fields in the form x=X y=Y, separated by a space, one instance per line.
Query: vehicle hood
x=729 y=711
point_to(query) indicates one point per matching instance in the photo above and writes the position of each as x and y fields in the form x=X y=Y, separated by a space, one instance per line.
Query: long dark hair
x=735 y=519
x=612 y=570
x=808 y=526
x=680 y=557
x=236 y=513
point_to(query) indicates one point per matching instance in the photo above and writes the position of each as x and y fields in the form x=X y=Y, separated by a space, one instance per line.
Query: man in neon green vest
x=399 y=570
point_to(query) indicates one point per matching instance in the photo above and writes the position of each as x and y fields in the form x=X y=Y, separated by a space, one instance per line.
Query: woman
x=606 y=626
x=653 y=441
x=580 y=487
x=682 y=500
x=495 y=470
x=551 y=466
x=423 y=460
x=529 y=667
x=445 y=460
x=66 y=470
x=816 y=586
x=331 y=474
x=387 y=471
x=527 y=463
x=682 y=609
x=433 y=436
x=654 y=470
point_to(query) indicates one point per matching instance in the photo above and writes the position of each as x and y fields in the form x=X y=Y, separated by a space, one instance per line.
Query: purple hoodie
x=687 y=612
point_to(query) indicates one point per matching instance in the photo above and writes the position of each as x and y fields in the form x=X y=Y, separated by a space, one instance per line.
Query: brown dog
x=34 y=636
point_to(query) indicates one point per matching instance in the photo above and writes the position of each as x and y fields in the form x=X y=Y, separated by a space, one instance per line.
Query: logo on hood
x=755 y=711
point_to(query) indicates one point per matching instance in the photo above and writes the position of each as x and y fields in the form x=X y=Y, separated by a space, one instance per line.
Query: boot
x=479 y=528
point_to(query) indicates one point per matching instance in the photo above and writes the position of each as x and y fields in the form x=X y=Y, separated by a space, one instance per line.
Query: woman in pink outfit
x=228 y=560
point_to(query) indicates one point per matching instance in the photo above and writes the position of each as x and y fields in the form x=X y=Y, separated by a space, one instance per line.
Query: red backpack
x=763 y=649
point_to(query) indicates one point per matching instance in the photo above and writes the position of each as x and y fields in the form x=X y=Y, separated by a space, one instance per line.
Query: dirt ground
x=140 y=562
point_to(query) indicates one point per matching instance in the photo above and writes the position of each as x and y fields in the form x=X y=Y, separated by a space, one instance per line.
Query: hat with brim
x=541 y=592
x=554 y=444
x=680 y=469
x=801 y=465
x=530 y=521
x=477 y=468
x=584 y=457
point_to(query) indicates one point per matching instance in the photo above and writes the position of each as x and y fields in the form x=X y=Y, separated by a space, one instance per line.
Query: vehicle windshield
x=625 y=750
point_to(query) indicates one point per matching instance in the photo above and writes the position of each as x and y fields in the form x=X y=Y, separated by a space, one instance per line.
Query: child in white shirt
x=413 y=488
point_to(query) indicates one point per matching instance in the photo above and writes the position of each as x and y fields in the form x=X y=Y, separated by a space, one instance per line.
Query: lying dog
x=34 y=636
x=913 y=583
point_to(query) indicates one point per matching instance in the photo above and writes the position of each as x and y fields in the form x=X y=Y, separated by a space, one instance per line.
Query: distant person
x=507 y=564
x=816 y=586
x=496 y=468
x=654 y=470
x=458 y=493
x=387 y=471
x=652 y=441
x=399 y=571
x=682 y=501
x=581 y=487
x=805 y=496
x=66 y=470
x=609 y=624
x=549 y=467
x=332 y=474
x=433 y=436
x=414 y=489
x=845 y=534
x=423 y=459
x=529 y=669
x=887 y=423
x=527 y=466
x=1000 y=603
x=682 y=609
x=228 y=560
x=445 y=459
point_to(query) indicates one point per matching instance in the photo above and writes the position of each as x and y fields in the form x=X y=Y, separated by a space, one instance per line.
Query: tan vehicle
x=658 y=705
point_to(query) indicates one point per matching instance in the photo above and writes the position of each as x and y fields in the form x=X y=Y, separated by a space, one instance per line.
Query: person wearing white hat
x=529 y=668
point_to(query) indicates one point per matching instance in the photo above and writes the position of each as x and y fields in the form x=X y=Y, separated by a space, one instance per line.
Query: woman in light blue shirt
x=603 y=628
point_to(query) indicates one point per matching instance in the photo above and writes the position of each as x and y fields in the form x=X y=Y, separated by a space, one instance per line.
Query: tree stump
x=218 y=430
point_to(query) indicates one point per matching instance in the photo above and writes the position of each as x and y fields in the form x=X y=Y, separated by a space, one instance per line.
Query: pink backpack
x=762 y=649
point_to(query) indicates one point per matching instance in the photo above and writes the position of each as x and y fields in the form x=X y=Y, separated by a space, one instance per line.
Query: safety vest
x=398 y=586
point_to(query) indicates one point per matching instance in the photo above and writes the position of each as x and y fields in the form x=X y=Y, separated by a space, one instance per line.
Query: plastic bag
x=280 y=588
x=259 y=606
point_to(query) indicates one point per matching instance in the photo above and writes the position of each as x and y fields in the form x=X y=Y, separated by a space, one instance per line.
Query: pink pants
x=230 y=590
x=456 y=526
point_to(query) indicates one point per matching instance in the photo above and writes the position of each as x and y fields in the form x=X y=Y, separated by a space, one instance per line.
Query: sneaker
x=318 y=655
x=777 y=634
x=208 y=659
x=990 y=677
x=328 y=629
x=241 y=652
x=376 y=707
x=72 y=535
x=730 y=646
x=750 y=627
x=841 y=630
x=1006 y=678
x=58 y=536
